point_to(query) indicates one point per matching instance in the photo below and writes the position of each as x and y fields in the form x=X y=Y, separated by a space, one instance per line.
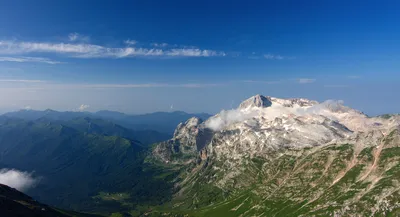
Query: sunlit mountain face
x=289 y=157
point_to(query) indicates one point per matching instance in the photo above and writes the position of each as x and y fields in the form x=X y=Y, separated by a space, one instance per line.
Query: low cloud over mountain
x=19 y=180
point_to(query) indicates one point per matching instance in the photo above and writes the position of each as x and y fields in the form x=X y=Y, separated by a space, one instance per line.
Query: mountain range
x=286 y=157
x=268 y=157
x=163 y=122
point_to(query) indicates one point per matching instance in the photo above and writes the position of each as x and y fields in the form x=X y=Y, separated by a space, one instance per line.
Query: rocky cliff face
x=288 y=157
x=186 y=144
x=256 y=101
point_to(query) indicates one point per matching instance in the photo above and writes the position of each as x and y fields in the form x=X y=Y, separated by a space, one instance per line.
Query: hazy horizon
x=93 y=112
x=86 y=108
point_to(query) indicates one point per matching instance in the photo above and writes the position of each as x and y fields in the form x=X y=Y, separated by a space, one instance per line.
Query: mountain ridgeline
x=163 y=122
x=268 y=157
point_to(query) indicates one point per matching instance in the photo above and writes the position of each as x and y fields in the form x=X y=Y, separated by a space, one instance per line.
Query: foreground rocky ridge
x=287 y=157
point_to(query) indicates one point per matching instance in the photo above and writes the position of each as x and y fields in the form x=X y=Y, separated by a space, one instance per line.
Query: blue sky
x=197 y=56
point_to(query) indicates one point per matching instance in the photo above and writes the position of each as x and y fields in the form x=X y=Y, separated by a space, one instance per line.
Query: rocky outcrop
x=184 y=146
x=258 y=101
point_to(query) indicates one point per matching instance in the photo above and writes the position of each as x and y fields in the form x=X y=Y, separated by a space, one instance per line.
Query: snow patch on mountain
x=263 y=124
x=255 y=108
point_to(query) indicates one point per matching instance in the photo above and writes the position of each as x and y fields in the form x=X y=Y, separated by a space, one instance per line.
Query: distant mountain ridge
x=163 y=122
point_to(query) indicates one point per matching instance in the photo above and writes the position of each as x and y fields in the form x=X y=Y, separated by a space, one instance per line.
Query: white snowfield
x=252 y=111
x=262 y=124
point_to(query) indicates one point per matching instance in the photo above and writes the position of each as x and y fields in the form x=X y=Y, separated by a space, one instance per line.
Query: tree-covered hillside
x=78 y=166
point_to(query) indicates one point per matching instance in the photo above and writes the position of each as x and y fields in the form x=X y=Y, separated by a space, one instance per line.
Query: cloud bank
x=159 y=44
x=19 y=180
x=77 y=37
x=226 y=118
x=22 y=81
x=306 y=80
x=273 y=57
x=85 y=50
x=130 y=42
x=28 y=59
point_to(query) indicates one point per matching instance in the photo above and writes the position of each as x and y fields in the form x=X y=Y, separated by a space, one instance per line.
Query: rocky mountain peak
x=190 y=126
x=192 y=122
x=260 y=101
x=183 y=143
x=256 y=101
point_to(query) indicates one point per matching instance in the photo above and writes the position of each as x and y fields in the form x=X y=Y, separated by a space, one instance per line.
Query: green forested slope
x=75 y=166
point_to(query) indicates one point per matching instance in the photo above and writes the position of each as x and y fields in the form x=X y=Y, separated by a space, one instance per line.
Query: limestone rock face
x=309 y=158
x=262 y=124
x=256 y=101
x=183 y=147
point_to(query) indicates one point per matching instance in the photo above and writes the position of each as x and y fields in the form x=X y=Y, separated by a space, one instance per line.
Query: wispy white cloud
x=97 y=51
x=62 y=86
x=42 y=84
x=193 y=85
x=83 y=107
x=273 y=57
x=159 y=44
x=261 y=81
x=73 y=36
x=78 y=37
x=22 y=81
x=142 y=85
x=28 y=59
x=306 y=80
x=194 y=52
x=13 y=47
x=336 y=86
x=130 y=42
